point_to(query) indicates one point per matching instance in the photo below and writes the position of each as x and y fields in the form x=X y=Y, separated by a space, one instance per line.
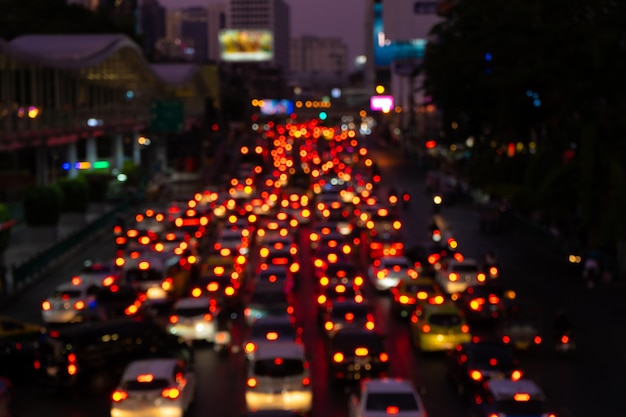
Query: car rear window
x=155 y=384
x=465 y=268
x=268 y=298
x=521 y=408
x=278 y=367
x=191 y=311
x=415 y=288
x=485 y=355
x=334 y=269
x=359 y=310
x=446 y=320
x=349 y=341
x=284 y=331
x=143 y=275
x=380 y=402
x=67 y=294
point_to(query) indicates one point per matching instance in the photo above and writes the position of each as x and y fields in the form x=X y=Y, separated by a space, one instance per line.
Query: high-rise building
x=217 y=20
x=152 y=23
x=87 y=4
x=194 y=30
x=318 y=63
x=265 y=14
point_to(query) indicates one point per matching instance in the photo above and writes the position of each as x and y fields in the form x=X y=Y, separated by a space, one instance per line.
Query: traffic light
x=323 y=115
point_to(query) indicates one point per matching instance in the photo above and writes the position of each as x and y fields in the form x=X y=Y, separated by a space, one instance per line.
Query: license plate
x=52 y=370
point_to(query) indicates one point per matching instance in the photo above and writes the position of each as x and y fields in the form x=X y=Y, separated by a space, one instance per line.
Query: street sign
x=167 y=116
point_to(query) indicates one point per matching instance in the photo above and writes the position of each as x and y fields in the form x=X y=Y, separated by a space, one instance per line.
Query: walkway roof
x=103 y=57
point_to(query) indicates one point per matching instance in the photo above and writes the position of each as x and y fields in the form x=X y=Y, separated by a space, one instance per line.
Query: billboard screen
x=381 y=103
x=239 y=45
x=276 y=107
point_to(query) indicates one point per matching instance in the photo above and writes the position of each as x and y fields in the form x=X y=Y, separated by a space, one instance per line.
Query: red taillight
x=384 y=357
x=170 y=393
x=306 y=381
x=118 y=396
x=425 y=328
x=46 y=305
x=173 y=319
x=476 y=375
x=79 y=305
x=565 y=339
x=537 y=340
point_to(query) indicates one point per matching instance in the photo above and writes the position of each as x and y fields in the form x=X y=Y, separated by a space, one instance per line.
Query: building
x=272 y=15
x=87 y=4
x=194 y=31
x=318 y=63
x=152 y=25
x=217 y=14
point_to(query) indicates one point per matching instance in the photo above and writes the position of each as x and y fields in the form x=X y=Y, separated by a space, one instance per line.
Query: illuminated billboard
x=381 y=103
x=276 y=107
x=239 y=45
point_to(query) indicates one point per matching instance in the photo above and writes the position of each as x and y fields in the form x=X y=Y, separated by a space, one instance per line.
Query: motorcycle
x=437 y=202
x=564 y=342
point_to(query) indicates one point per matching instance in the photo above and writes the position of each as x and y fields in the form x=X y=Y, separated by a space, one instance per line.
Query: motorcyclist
x=562 y=324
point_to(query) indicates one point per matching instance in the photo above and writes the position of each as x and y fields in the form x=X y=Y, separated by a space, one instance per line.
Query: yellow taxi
x=438 y=327
x=408 y=294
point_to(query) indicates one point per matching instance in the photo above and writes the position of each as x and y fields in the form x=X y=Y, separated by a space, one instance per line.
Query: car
x=277 y=273
x=347 y=313
x=99 y=273
x=408 y=294
x=355 y=353
x=268 y=299
x=93 y=355
x=345 y=272
x=156 y=387
x=483 y=303
x=72 y=302
x=278 y=377
x=336 y=291
x=386 y=396
x=196 y=319
x=472 y=363
x=430 y=255
x=18 y=341
x=521 y=327
x=283 y=256
x=385 y=273
x=438 y=327
x=385 y=244
x=220 y=288
x=506 y=398
x=270 y=330
x=454 y=276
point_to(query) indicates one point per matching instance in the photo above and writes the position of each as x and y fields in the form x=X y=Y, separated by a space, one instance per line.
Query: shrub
x=75 y=195
x=97 y=185
x=42 y=205
x=5 y=234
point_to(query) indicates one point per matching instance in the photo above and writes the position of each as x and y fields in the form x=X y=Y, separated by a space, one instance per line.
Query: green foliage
x=42 y=205
x=97 y=185
x=75 y=194
x=5 y=235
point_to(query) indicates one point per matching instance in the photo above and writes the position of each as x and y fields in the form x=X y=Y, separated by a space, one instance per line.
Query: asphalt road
x=588 y=384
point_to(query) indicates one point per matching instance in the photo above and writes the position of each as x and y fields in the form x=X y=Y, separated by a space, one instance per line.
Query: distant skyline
x=344 y=19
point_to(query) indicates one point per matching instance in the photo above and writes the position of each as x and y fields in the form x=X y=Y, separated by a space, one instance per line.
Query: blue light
x=529 y=93
x=535 y=96
x=488 y=71
x=536 y=102
x=488 y=56
x=66 y=166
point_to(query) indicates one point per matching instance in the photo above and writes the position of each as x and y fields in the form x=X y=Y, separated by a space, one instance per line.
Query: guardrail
x=42 y=263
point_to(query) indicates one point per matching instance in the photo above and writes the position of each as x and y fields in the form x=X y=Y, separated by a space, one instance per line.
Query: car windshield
x=278 y=367
x=153 y=385
x=445 y=320
x=521 y=408
x=390 y=264
x=191 y=311
x=341 y=290
x=268 y=298
x=382 y=401
x=133 y=275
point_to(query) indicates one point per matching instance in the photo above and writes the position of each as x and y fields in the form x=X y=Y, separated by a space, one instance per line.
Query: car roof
x=447 y=307
x=272 y=320
x=388 y=385
x=397 y=258
x=279 y=350
x=160 y=368
x=507 y=388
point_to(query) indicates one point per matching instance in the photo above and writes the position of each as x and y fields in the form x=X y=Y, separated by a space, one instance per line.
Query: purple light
x=384 y=103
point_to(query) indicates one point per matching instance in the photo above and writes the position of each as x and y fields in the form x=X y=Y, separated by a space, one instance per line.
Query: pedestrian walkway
x=26 y=242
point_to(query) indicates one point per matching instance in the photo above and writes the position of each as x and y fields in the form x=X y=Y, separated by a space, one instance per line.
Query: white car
x=72 y=302
x=154 y=388
x=387 y=272
x=455 y=276
x=195 y=318
x=271 y=330
x=384 y=396
x=278 y=378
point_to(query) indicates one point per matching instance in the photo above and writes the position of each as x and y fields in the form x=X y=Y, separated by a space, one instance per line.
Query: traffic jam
x=303 y=222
